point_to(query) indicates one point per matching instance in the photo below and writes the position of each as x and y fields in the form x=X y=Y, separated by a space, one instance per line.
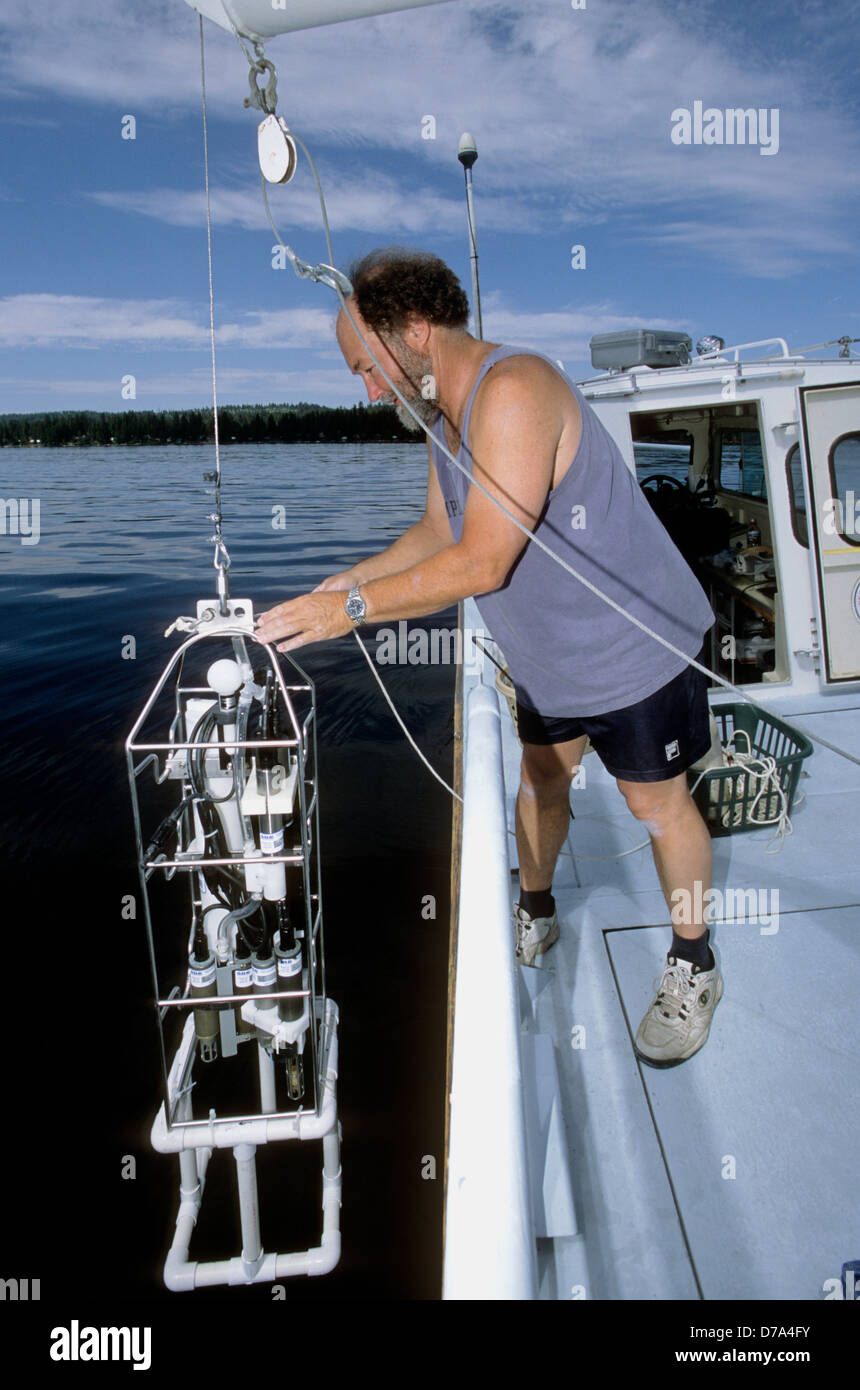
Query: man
x=579 y=667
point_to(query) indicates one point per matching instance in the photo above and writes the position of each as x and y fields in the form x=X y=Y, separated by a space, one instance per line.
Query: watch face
x=355 y=607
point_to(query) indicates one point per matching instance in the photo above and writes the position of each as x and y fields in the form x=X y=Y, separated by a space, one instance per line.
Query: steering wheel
x=661 y=479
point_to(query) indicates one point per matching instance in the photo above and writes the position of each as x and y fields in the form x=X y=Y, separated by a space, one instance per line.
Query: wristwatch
x=356 y=608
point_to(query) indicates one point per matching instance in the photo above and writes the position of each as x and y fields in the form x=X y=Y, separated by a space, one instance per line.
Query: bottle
x=243 y=982
x=265 y=978
x=288 y=956
x=201 y=985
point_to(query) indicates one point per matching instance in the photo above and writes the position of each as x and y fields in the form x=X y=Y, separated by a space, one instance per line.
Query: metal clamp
x=239 y=614
x=322 y=273
x=265 y=98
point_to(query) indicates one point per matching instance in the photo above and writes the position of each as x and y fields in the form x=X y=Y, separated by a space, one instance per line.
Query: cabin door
x=831 y=418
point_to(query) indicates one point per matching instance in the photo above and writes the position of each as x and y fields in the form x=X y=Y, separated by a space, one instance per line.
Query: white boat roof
x=768 y=360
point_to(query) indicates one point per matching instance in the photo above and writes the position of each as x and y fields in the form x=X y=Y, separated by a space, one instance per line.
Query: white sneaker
x=533 y=934
x=679 y=1019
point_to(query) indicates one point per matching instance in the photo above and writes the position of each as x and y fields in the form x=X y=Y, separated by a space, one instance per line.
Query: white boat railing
x=720 y=353
x=489 y=1245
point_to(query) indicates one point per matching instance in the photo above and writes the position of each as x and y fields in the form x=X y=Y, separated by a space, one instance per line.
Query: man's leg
x=680 y=842
x=542 y=822
x=543 y=808
x=678 y=1021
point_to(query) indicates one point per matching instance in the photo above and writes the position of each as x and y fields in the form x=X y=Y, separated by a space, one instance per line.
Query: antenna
x=467 y=154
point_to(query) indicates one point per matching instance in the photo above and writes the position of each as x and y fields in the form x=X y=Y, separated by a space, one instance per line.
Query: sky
x=578 y=116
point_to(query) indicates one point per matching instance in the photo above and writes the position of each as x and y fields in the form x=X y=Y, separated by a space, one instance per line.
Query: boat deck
x=732 y=1176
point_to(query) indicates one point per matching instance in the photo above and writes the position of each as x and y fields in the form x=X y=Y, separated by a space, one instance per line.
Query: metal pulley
x=276 y=149
x=275 y=146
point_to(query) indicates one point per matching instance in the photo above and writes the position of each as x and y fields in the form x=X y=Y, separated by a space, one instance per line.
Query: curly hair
x=393 y=283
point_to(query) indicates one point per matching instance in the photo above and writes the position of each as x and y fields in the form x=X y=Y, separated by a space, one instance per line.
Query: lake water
x=122 y=550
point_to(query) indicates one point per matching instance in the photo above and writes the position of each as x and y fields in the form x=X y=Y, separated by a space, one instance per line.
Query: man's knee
x=657 y=804
x=542 y=773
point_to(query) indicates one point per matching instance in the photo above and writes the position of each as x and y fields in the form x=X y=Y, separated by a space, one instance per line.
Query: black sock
x=537 y=904
x=696 y=952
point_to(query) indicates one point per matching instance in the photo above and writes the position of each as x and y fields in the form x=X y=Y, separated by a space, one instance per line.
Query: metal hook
x=266 y=98
x=322 y=273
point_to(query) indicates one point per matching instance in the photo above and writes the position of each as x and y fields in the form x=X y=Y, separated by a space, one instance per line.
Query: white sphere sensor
x=224 y=677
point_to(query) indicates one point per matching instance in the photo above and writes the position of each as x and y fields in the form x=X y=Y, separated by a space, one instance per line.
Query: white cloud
x=770 y=257
x=66 y=320
x=373 y=202
x=183 y=388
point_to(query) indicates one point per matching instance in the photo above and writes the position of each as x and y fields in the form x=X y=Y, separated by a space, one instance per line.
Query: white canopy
x=263 y=19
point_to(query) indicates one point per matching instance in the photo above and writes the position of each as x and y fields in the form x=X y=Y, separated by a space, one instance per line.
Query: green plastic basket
x=725 y=795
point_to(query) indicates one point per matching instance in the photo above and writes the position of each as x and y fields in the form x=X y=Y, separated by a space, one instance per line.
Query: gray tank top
x=568 y=652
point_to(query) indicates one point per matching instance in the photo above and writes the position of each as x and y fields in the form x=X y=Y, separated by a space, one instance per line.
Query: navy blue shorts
x=651 y=741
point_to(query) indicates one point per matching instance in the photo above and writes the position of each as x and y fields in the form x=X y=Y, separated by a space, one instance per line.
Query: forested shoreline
x=304 y=423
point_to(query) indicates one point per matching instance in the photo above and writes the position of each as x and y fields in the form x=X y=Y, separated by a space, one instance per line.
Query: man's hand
x=315 y=617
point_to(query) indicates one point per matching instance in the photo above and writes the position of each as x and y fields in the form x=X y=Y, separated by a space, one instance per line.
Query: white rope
x=428 y=765
x=302 y=146
x=759 y=768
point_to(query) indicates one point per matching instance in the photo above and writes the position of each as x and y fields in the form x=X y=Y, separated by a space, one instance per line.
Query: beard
x=424 y=409
x=417 y=370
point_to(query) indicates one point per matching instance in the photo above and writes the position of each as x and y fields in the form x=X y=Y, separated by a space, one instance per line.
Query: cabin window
x=845 y=487
x=670 y=456
x=740 y=464
x=796 y=495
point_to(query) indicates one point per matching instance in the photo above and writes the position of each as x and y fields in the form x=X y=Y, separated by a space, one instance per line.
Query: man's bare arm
x=516 y=426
